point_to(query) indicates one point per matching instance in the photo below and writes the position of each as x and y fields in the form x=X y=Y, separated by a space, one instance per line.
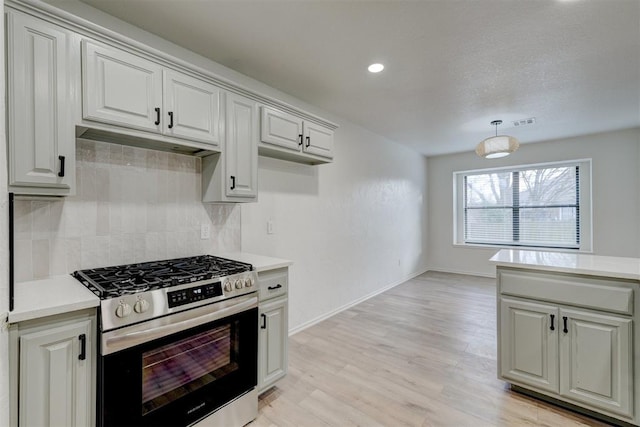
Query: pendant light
x=497 y=146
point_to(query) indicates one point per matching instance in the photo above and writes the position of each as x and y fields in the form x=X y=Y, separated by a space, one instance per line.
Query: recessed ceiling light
x=375 y=68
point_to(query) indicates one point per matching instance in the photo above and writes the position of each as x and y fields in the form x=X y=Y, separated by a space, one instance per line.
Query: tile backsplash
x=132 y=205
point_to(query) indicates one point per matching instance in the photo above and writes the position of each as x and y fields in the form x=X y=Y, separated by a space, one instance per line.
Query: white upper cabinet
x=281 y=129
x=40 y=91
x=123 y=89
x=289 y=137
x=120 y=88
x=318 y=140
x=232 y=176
x=192 y=108
x=241 y=151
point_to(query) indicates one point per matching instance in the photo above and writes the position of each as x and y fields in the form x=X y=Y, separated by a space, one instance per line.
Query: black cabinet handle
x=157 y=122
x=271 y=288
x=564 y=319
x=170 y=119
x=61 y=173
x=553 y=316
x=308 y=141
x=300 y=136
x=264 y=321
x=233 y=182
x=83 y=347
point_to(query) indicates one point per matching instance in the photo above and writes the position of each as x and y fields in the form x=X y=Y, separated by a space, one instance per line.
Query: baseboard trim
x=347 y=306
x=466 y=273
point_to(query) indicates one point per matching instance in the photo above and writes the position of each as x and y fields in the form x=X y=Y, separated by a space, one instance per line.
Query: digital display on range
x=196 y=293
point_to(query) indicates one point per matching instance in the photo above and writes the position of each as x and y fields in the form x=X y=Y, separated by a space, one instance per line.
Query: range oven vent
x=524 y=122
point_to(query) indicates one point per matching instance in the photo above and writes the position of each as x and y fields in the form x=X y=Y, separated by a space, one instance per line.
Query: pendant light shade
x=497 y=146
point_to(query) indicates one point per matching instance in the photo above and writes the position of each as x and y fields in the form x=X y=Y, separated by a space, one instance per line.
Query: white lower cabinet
x=529 y=346
x=54 y=361
x=272 y=365
x=580 y=356
x=596 y=361
x=273 y=327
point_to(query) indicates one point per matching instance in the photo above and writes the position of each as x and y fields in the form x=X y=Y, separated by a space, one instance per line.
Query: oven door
x=177 y=369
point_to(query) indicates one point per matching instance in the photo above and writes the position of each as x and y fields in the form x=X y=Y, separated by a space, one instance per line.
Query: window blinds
x=530 y=207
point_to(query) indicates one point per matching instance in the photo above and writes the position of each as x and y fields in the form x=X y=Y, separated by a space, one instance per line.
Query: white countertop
x=46 y=297
x=259 y=262
x=593 y=265
x=64 y=294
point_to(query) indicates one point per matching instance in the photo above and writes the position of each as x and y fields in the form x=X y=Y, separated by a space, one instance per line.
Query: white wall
x=345 y=225
x=615 y=184
x=352 y=228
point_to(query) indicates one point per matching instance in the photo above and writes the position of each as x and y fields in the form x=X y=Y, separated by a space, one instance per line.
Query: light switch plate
x=270 y=227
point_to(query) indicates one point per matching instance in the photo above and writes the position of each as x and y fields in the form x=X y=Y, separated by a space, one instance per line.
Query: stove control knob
x=227 y=286
x=123 y=309
x=141 y=306
x=238 y=284
x=248 y=282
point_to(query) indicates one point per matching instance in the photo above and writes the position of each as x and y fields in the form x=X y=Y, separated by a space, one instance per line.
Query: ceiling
x=452 y=66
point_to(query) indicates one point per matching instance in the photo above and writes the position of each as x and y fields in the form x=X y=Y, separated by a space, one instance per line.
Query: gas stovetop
x=136 y=293
x=111 y=282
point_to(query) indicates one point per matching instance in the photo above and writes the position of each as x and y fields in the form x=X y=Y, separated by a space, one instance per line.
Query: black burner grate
x=109 y=282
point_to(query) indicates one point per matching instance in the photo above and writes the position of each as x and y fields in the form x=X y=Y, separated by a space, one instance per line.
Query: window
x=543 y=206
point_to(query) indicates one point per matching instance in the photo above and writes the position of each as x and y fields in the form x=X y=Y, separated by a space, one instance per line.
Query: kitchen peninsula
x=565 y=329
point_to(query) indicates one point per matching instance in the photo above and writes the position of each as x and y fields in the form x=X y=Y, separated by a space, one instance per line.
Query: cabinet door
x=41 y=140
x=241 y=149
x=120 y=88
x=528 y=346
x=318 y=140
x=55 y=385
x=281 y=129
x=596 y=361
x=192 y=108
x=272 y=345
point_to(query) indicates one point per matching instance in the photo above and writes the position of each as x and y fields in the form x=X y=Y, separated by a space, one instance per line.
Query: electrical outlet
x=205 y=231
x=270 y=227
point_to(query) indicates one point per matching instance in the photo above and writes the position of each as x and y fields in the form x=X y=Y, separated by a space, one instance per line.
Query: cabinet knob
x=157 y=122
x=233 y=182
x=308 y=141
x=170 y=119
x=552 y=317
x=300 y=143
x=566 y=329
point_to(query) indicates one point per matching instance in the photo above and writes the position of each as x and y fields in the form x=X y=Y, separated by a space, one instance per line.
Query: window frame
x=584 y=195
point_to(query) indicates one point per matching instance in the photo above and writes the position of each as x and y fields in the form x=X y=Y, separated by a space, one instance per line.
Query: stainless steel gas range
x=178 y=342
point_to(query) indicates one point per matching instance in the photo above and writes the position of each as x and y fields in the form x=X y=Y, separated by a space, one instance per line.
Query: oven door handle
x=134 y=335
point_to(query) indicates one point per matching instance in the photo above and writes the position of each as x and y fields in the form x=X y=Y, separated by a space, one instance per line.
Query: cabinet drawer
x=599 y=294
x=272 y=284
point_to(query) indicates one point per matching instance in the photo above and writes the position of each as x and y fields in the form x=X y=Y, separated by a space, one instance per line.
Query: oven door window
x=178 y=379
x=174 y=370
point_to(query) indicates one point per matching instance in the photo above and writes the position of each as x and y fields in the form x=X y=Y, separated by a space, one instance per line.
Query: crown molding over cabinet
x=145 y=112
x=86 y=28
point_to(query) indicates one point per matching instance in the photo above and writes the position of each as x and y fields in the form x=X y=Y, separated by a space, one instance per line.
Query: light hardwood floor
x=420 y=354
